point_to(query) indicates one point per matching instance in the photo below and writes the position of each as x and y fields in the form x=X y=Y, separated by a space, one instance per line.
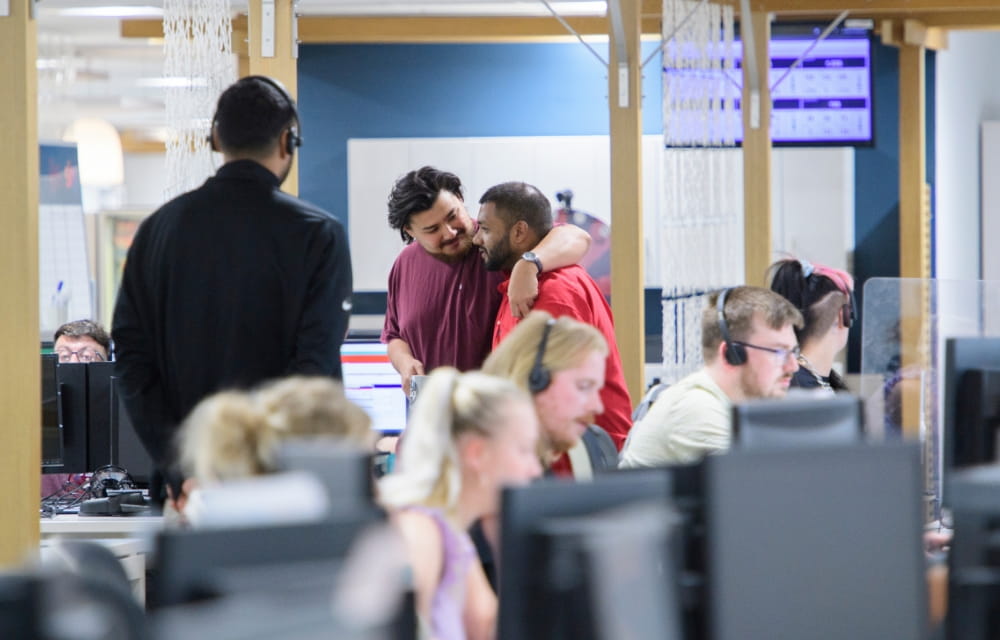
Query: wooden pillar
x=20 y=386
x=757 y=155
x=914 y=220
x=627 y=274
x=281 y=65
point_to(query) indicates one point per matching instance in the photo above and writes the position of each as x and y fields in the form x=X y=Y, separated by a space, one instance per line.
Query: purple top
x=449 y=598
x=443 y=310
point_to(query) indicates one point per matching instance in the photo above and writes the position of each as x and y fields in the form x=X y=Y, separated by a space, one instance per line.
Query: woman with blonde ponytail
x=469 y=434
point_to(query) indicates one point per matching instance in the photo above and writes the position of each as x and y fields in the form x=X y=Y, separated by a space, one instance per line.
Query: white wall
x=145 y=180
x=967 y=92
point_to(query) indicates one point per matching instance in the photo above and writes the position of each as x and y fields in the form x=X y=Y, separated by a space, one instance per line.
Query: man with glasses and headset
x=750 y=351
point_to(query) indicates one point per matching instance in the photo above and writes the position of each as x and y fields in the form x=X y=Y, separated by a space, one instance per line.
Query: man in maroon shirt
x=442 y=302
x=513 y=219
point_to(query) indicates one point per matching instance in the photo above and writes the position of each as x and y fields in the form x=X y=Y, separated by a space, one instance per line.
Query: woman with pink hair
x=825 y=297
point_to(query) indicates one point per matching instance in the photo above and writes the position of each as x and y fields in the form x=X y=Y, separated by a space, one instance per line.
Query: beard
x=498 y=257
x=462 y=243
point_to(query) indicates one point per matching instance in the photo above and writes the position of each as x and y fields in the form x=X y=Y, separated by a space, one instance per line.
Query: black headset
x=736 y=354
x=293 y=141
x=847 y=313
x=539 y=377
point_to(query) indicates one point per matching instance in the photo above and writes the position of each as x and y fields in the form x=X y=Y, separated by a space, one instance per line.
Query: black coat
x=224 y=287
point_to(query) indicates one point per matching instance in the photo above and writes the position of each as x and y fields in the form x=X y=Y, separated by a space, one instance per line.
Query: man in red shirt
x=513 y=218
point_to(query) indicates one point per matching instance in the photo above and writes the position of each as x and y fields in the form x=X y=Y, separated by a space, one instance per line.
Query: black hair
x=417 y=191
x=251 y=116
x=516 y=201
x=810 y=291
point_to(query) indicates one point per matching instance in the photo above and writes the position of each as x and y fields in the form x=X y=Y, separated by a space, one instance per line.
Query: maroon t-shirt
x=443 y=310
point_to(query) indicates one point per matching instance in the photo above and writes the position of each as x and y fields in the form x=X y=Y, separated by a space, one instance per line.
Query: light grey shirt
x=688 y=420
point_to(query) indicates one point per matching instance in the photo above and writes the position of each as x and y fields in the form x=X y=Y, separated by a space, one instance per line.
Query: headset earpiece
x=847 y=312
x=293 y=141
x=735 y=354
x=211 y=137
x=539 y=377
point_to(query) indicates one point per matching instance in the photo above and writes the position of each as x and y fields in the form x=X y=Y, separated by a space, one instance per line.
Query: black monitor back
x=344 y=471
x=820 y=543
x=966 y=398
x=71 y=380
x=525 y=511
x=199 y=564
x=798 y=422
x=111 y=436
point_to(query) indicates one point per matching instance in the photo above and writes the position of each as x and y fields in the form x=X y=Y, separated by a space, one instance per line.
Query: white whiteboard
x=64 y=285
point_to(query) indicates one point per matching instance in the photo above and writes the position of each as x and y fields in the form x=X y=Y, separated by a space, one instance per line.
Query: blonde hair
x=235 y=434
x=569 y=342
x=450 y=404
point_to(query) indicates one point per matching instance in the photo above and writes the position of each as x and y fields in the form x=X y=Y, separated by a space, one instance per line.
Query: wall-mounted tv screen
x=826 y=99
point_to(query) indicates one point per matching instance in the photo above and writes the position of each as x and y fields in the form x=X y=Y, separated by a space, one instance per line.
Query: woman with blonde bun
x=236 y=434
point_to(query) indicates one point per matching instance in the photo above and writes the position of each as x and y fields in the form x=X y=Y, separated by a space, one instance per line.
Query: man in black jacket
x=233 y=283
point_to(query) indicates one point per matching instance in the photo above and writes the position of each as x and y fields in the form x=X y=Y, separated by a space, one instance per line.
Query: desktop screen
x=373 y=384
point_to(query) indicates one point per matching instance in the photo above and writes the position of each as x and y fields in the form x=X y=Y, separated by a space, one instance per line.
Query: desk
x=86 y=527
x=130 y=538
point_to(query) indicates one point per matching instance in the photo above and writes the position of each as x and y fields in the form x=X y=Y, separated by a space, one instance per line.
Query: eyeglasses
x=780 y=355
x=83 y=355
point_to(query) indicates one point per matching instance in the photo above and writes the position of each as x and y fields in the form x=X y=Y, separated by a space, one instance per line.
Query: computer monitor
x=971 y=401
x=344 y=470
x=974 y=557
x=71 y=386
x=194 y=564
x=85 y=425
x=822 y=543
x=112 y=438
x=373 y=384
x=797 y=422
x=547 y=575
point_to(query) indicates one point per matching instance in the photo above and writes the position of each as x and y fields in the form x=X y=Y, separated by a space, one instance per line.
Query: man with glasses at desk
x=750 y=351
x=77 y=341
x=82 y=341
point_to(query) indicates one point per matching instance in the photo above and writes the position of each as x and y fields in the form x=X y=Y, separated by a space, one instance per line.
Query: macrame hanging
x=701 y=224
x=197 y=43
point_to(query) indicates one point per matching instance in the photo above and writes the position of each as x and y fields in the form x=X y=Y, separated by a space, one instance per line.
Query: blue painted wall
x=447 y=90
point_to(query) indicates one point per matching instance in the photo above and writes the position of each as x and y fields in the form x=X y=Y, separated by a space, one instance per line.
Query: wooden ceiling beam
x=362 y=29
x=371 y=29
x=903 y=8
x=940 y=14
